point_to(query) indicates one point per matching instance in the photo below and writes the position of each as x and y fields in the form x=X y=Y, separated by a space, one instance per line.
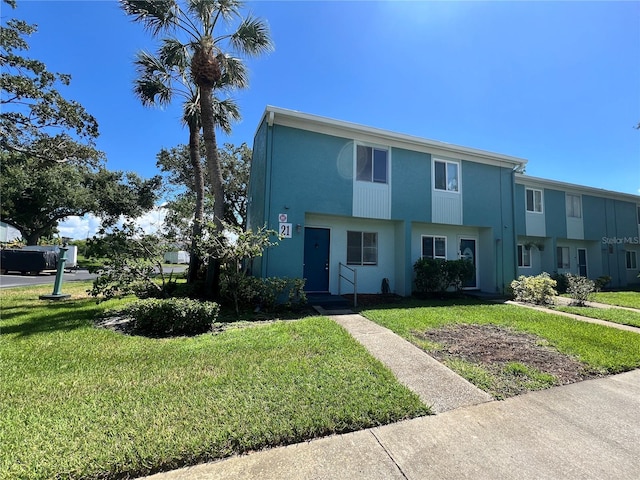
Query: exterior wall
x=411 y=173
x=488 y=202
x=369 y=276
x=306 y=172
x=555 y=215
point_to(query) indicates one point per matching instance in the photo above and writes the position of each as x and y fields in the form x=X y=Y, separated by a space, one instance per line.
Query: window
x=434 y=247
x=446 y=176
x=632 y=260
x=362 y=248
x=574 y=206
x=371 y=164
x=524 y=256
x=534 y=200
x=563 y=257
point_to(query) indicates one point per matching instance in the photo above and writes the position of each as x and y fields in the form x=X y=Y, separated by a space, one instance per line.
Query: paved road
x=17 y=280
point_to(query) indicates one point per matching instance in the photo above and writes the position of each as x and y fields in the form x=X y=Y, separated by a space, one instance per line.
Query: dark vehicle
x=27 y=261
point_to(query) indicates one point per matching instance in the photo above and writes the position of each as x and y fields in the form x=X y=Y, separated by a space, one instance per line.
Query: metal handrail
x=353 y=282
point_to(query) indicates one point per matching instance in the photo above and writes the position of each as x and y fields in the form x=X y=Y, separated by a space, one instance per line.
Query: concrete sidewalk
x=435 y=384
x=586 y=430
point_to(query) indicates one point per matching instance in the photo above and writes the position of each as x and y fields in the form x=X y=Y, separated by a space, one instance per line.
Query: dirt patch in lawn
x=502 y=361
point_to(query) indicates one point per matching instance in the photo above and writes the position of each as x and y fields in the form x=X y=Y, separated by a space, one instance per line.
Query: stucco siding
x=411 y=188
x=308 y=174
x=520 y=209
x=257 y=182
x=555 y=213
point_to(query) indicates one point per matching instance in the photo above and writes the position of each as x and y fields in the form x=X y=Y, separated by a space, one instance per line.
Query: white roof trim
x=359 y=132
x=574 y=188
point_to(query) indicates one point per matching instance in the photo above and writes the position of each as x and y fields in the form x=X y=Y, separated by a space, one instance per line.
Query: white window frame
x=522 y=256
x=458 y=185
x=526 y=200
x=571 y=210
x=631 y=260
x=374 y=149
x=560 y=262
x=433 y=246
x=362 y=247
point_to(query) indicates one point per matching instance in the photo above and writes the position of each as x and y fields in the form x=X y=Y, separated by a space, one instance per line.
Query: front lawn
x=617 y=315
x=623 y=299
x=82 y=402
x=600 y=349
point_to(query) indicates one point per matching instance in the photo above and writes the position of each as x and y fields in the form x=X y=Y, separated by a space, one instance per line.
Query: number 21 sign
x=285 y=230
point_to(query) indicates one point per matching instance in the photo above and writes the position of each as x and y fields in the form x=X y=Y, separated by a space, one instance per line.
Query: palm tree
x=161 y=77
x=212 y=69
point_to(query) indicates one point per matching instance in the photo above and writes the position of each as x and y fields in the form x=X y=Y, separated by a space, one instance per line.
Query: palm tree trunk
x=194 y=154
x=215 y=180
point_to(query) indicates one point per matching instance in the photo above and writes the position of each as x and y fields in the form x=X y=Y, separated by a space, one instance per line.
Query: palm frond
x=252 y=37
x=174 y=53
x=191 y=110
x=155 y=15
x=225 y=112
x=234 y=72
x=152 y=91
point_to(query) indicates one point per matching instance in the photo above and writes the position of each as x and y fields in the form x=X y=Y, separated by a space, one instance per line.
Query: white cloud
x=80 y=228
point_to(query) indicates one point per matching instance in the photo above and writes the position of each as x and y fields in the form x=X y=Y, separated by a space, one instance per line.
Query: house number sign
x=285 y=228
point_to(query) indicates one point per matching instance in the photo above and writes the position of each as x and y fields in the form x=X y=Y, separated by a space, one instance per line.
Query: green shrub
x=246 y=291
x=430 y=275
x=282 y=291
x=581 y=289
x=539 y=289
x=154 y=317
x=601 y=282
x=437 y=275
x=562 y=282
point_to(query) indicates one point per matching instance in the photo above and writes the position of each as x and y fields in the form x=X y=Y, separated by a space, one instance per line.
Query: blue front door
x=316 y=259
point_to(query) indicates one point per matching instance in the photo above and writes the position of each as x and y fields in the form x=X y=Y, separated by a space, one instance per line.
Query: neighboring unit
x=585 y=231
x=347 y=198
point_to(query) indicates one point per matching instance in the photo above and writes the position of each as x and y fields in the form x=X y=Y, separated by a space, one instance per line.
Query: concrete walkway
x=586 y=430
x=435 y=384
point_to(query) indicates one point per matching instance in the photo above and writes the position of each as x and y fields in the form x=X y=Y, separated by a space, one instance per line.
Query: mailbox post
x=57 y=286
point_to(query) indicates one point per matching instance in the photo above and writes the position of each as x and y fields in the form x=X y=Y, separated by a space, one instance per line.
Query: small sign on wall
x=285 y=230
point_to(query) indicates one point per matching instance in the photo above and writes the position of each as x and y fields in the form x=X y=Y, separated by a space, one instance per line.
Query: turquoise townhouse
x=354 y=202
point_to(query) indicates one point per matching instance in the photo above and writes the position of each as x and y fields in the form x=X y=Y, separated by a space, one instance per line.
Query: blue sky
x=556 y=83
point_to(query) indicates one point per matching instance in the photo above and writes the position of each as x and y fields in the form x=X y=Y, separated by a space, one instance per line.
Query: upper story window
x=534 y=200
x=446 y=176
x=372 y=164
x=434 y=247
x=631 y=260
x=574 y=206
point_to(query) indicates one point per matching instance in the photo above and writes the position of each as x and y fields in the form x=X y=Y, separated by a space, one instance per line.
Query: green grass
x=81 y=402
x=502 y=381
x=623 y=299
x=600 y=348
x=616 y=315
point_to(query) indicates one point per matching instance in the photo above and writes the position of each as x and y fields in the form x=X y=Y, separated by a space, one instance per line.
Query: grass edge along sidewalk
x=81 y=402
x=602 y=349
